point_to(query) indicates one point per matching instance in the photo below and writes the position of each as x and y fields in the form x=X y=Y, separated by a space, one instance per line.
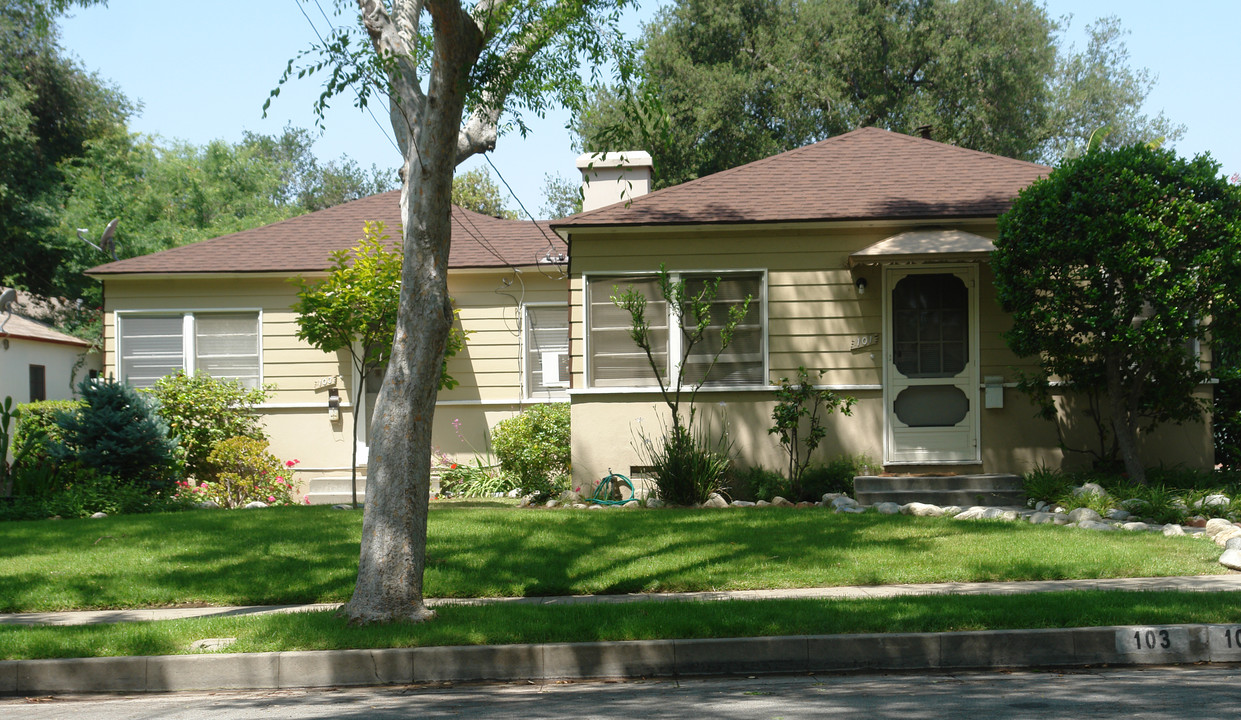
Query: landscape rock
x=99 y=515
x=952 y=510
x=254 y=504
x=1118 y=515
x=1060 y=518
x=1196 y=521
x=1222 y=538
x=209 y=505
x=1213 y=501
x=851 y=510
x=1233 y=543
x=1095 y=525
x=654 y=502
x=781 y=502
x=1079 y=514
x=715 y=500
x=986 y=513
x=1231 y=559
x=1215 y=526
x=843 y=501
x=211 y=644
x=578 y=506
x=805 y=504
x=1040 y=505
x=1135 y=526
x=918 y=509
x=887 y=508
x=1042 y=518
x=1089 y=489
x=829 y=497
x=552 y=503
x=742 y=503
x=596 y=507
x=568 y=497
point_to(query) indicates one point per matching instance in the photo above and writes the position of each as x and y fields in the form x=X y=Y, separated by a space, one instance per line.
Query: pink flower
x=306 y=499
x=291 y=463
x=271 y=498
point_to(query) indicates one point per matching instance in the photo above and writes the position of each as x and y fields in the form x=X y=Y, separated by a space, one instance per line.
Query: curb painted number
x=1153 y=640
x=1232 y=637
x=1150 y=639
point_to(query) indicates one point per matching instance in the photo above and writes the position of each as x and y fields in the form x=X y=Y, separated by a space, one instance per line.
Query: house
x=224 y=306
x=866 y=255
x=38 y=362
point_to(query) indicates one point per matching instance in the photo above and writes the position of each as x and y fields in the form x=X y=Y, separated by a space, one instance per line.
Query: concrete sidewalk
x=1192 y=583
x=1121 y=645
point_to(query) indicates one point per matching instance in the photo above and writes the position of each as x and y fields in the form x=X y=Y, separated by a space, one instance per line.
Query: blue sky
x=203 y=70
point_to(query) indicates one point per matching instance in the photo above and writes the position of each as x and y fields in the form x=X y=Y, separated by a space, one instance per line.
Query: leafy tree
x=798 y=401
x=449 y=73
x=727 y=83
x=561 y=197
x=475 y=190
x=1110 y=266
x=49 y=108
x=355 y=310
x=309 y=184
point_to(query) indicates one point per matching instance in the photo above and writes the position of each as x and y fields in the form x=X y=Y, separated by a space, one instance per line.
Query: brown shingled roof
x=865 y=174
x=303 y=243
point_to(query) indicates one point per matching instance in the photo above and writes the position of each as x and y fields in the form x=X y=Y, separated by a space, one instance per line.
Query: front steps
x=991 y=489
x=336 y=489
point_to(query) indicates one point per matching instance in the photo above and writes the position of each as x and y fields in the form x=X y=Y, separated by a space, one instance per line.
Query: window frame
x=38 y=382
x=559 y=392
x=674 y=338
x=189 y=355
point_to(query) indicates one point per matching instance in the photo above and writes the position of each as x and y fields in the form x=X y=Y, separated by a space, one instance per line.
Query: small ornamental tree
x=1115 y=267
x=687 y=470
x=119 y=433
x=798 y=413
x=355 y=310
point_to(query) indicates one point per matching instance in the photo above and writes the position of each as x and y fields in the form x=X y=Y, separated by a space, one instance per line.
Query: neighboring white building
x=38 y=362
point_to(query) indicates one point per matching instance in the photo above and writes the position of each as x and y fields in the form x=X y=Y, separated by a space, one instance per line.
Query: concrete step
x=941 y=490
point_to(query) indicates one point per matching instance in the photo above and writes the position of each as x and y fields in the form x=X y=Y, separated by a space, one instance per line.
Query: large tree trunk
x=394 y=526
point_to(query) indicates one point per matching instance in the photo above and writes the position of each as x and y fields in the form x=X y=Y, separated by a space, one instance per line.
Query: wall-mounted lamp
x=860 y=284
x=333 y=405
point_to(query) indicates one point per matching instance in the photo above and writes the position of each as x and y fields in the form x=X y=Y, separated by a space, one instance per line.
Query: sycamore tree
x=449 y=71
x=1117 y=267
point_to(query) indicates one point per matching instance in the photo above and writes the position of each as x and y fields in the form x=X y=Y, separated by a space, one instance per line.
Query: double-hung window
x=546 y=351
x=224 y=345
x=616 y=361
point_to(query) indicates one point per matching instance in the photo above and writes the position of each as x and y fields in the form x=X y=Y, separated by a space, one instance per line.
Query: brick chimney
x=612 y=177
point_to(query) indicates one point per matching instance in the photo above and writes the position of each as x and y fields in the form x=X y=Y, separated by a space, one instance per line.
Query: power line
x=356 y=94
x=551 y=246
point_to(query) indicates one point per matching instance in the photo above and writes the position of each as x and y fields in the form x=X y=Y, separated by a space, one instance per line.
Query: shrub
x=118 y=433
x=472 y=480
x=241 y=470
x=38 y=426
x=1046 y=484
x=84 y=492
x=534 y=449
x=201 y=411
x=798 y=417
x=833 y=477
x=756 y=483
x=686 y=465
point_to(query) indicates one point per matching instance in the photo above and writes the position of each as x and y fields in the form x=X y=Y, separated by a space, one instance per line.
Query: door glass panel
x=931 y=406
x=929 y=322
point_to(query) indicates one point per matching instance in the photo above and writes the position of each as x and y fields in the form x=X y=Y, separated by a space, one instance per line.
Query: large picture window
x=222 y=344
x=547 y=351
x=616 y=361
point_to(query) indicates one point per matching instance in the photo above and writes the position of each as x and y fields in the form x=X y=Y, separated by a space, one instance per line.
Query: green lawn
x=637 y=621
x=309 y=554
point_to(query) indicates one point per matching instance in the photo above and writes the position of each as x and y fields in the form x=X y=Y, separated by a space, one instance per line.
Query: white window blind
x=616 y=361
x=547 y=350
x=150 y=347
x=223 y=345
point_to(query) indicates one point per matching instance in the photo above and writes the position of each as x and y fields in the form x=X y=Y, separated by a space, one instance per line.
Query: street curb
x=1113 y=645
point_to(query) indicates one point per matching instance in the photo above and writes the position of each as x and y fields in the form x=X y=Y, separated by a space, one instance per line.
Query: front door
x=931 y=365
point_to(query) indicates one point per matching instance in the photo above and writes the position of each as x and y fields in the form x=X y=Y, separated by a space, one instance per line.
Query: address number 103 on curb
x=1154 y=640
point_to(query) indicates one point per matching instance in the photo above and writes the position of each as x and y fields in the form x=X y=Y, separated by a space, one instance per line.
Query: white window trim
x=188 y=354
x=562 y=394
x=674 y=338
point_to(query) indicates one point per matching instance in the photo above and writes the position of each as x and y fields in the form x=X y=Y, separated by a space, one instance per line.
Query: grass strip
x=509 y=624
x=310 y=554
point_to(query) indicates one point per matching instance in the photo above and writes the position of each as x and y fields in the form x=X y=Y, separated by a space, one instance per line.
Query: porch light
x=860 y=284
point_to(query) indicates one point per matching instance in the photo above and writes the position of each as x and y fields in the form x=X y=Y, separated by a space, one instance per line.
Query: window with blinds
x=616 y=361
x=223 y=345
x=547 y=351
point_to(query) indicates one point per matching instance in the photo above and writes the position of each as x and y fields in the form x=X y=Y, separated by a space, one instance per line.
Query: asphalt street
x=1154 y=693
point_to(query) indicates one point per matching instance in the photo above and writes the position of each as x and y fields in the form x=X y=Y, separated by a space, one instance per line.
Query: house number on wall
x=325 y=382
x=863 y=341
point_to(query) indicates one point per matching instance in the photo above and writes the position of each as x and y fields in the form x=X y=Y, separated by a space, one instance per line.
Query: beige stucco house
x=866 y=255
x=224 y=306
